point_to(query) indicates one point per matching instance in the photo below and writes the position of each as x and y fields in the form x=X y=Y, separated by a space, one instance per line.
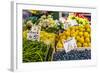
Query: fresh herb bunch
x=34 y=51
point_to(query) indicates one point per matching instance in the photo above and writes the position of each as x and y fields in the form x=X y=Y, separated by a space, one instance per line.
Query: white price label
x=34 y=33
x=70 y=44
x=72 y=22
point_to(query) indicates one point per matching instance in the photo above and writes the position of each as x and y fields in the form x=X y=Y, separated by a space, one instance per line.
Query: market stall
x=56 y=36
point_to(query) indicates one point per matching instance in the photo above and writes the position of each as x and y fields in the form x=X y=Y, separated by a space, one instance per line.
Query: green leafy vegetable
x=34 y=51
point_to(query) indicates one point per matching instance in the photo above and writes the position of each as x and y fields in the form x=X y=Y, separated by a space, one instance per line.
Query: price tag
x=30 y=35
x=70 y=44
x=72 y=22
x=34 y=33
x=67 y=25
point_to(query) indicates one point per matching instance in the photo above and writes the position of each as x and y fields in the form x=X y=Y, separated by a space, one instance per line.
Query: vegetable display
x=34 y=51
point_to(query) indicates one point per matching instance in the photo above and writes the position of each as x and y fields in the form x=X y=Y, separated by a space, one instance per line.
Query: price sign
x=34 y=33
x=70 y=44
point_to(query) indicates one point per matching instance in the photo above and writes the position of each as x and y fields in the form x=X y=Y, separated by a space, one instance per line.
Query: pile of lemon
x=82 y=35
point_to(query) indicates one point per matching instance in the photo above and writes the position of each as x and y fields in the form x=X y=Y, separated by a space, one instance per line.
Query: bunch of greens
x=34 y=51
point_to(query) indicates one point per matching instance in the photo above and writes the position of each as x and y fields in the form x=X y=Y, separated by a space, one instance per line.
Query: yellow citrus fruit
x=76 y=33
x=81 y=29
x=85 y=44
x=77 y=38
x=68 y=29
x=88 y=30
x=72 y=31
x=79 y=44
x=82 y=37
x=76 y=27
x=87 y=40
x=72 y=27
x=81 y=40
x=87 y=26
x=67 y=33
x=89 y=44
x=80 y=33
x=73 y=35
x=86 y=34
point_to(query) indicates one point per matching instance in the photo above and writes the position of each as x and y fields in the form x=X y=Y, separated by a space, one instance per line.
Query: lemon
x=76 y=27
x=73 y=28
x=73 y=35
x=85 y=44
x=86 y=34
x=67 y=33
x=89 y=44
x=81 y=29
x=88 y=30
x=77 y=38
x=81 y=40
x=87 y=40
x=80 y=33
x=72 y=32
x=82 y=37
x=76 y=33
x=68 y=29
x=79 y=44
x=87 y=26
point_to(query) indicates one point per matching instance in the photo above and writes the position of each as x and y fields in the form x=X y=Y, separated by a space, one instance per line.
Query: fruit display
x=82 y=35
x=81 y=20
x=53 y=37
